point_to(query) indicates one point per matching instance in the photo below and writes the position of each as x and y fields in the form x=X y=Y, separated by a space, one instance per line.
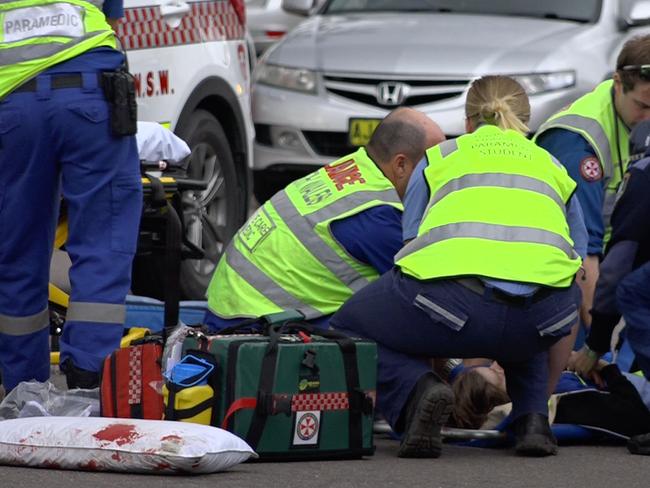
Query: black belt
x=71 y=80
x=479 y=287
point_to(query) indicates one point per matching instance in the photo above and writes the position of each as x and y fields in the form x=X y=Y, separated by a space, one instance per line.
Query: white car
x=268 y=22
x=190 y=62
x=319 y=92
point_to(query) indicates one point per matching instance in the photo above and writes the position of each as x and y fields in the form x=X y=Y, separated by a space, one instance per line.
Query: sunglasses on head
x=642 y=69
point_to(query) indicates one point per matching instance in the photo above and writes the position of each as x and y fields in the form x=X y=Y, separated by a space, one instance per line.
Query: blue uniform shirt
x=99 y=59
x=373 y=237
x=571 y=150
x=417 y=198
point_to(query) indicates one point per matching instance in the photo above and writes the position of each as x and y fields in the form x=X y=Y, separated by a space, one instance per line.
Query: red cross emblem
x=307 y=426
x=590 y=169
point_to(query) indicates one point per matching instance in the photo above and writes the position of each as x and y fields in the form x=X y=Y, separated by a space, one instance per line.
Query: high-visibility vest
x=594 y=117
x=37 y=34
x=285 y=256
x=497 y=210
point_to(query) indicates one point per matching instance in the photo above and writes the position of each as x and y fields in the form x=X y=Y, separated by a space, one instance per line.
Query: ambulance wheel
x=210 y=217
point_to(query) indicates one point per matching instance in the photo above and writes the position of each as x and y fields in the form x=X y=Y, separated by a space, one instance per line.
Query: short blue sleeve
x=571 y=150
x=373 y=236
x=113 y=9
x=416 y=199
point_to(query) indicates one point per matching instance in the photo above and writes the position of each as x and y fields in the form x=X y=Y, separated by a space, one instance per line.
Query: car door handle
x=175 y=8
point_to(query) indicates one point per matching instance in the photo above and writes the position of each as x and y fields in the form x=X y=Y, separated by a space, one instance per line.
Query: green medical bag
x=293 y=392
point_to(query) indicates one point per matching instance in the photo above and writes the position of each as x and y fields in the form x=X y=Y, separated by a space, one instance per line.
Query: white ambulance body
x=191 y=64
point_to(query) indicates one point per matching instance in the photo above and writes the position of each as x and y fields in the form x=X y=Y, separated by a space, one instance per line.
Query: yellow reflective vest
x=497 y=210
x=37 y=34
x=285 y=256
x=594 y=117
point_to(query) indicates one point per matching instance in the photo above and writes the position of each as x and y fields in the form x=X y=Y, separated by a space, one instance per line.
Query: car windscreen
x=586 y=11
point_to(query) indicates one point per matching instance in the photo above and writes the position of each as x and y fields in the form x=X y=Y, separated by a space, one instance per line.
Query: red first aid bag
x=130 y=381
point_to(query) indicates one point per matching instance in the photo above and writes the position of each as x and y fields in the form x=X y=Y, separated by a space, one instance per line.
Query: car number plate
x=360 y=130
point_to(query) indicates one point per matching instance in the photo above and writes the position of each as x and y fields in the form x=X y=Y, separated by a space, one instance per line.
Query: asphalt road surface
x=575 y=466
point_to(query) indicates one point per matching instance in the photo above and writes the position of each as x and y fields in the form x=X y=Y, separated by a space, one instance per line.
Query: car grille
x=395 y=91
x=334 y=144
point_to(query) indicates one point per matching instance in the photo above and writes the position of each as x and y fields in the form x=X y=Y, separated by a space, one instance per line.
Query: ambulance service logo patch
x=307 y=428
x=590 y=169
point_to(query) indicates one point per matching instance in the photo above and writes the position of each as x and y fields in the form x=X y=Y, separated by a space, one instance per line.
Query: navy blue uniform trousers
x=633 y=299
x=53 y=140
x=413 y=321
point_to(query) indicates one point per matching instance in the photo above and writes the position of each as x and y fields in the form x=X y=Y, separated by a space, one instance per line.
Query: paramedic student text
x=58 y=136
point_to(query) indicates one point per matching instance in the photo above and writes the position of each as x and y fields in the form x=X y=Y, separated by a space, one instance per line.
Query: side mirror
x=301 y=7
x=638 y=14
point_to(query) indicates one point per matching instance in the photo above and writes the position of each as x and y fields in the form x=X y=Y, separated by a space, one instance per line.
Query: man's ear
x=400 y=165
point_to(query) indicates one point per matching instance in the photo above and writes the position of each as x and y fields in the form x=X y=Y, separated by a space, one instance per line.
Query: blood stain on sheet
x=119 y=433
x=116 y=457
x=162 y=466
x=90 y=466
x=51 y=464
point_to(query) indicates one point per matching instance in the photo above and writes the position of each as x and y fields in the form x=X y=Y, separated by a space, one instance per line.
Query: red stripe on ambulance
x=145 y=28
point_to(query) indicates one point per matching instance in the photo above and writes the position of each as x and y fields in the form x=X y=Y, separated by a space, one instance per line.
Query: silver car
x=320 y=91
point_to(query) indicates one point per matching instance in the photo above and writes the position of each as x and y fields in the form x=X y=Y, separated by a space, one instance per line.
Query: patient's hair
x=498 y=100
x=474 y=398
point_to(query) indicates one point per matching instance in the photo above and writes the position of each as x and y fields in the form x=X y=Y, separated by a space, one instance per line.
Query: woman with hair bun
x=487 y=271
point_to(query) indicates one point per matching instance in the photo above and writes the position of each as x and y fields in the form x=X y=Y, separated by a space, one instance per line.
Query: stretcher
x=161 y=227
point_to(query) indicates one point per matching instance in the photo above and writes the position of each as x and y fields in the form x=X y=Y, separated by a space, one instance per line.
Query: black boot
x=79 y=378
x=639 y=444
x=533 y=436
x=426 y=411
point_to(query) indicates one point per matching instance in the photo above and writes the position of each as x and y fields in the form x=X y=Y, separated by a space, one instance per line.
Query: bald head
x=399 y=142
x=404 y=131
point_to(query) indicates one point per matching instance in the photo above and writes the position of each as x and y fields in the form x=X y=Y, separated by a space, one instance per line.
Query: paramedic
x=325 y=236
x=624 y=282
x=59 y=72
x=590 y=138
x=489 y=274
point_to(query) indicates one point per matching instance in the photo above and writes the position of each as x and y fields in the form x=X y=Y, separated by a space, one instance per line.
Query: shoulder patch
x=590 y=169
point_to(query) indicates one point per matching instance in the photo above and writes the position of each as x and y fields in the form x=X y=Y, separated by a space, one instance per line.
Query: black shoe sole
x=536 y=446
x=636 y=447
x=422 y=438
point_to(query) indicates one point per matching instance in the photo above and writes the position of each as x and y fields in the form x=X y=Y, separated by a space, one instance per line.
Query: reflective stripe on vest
x=593 y=117
x=303 y=228
x=304 y=231
x=102 y=313
x=596 y=133
x=501 y=180
x=495 y=232
x=33 y=51
x=265 y=285
x=19 y=326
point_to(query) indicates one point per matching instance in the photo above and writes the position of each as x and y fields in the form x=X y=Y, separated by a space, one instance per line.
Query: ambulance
x=191 y=65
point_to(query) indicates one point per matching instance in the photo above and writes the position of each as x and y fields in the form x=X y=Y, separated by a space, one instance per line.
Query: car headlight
x=297 y=79
x=536 y=83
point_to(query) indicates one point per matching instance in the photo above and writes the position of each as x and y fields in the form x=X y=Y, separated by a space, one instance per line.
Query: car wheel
x=211 y=216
